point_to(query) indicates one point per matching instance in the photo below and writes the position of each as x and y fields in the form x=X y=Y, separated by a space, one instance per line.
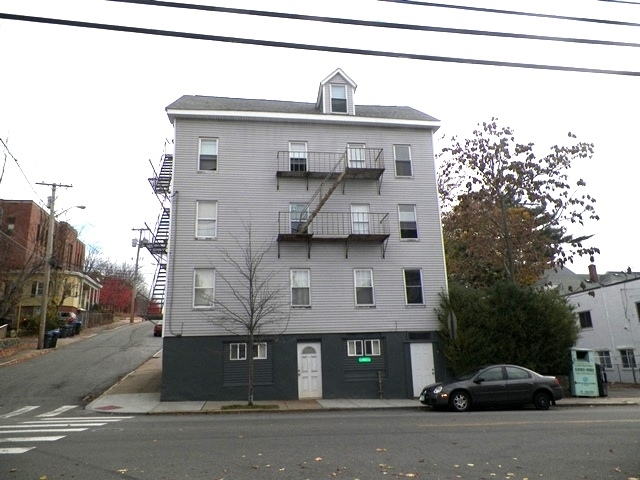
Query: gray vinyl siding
x=246 y=190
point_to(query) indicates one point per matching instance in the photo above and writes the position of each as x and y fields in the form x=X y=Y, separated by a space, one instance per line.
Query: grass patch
x=249 y=407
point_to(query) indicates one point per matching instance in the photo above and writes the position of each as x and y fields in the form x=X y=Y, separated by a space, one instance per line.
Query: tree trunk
x=250 y=377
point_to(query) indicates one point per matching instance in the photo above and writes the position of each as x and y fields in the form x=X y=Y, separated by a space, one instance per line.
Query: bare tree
x=253 y=303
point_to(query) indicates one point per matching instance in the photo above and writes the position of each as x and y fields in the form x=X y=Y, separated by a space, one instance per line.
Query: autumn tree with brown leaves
x=506 y=212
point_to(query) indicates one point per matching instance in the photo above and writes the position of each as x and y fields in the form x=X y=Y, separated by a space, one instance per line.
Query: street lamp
x=47 y=265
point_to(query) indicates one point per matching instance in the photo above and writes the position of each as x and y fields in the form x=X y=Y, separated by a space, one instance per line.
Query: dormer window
x=339 y=98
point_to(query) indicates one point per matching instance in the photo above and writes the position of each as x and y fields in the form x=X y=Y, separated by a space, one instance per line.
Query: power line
x=513 y=12
x=377 y=24
x=319 y=48
x=6 y=147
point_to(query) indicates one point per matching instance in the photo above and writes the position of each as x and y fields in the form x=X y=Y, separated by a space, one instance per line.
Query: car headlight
x=438 y=389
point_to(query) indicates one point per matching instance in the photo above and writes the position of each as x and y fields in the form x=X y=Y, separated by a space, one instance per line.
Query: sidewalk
x=139 y=391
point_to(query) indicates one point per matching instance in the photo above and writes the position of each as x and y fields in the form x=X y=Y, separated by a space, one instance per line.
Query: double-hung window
x=628 y=358
x=359 y=348
x=408 y=221
x=203 y=287
x=402 y=160
x=363 y=284
x=298 y=156
x=360 y=219
x=300 y=288
x=413 y=286
x=585 y=319
x=605 y=358
x=37 y=288
x=206 y=219
x=339 y=98
x=356 y=155
x=298 y=215
x=208 y=155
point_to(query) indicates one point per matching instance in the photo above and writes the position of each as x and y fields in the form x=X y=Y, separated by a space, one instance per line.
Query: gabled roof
x=199 y=106
x=337 y=71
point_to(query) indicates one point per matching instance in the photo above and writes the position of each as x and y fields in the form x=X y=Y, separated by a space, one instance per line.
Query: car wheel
x=541 y=401
x=460 y=401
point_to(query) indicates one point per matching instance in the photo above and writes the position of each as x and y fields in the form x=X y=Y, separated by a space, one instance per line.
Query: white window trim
x=239 y=348
x=355 y=287
x=214 y=219
x=303 y=154
x=346 y=97
x=358 y=348
x=217 y=153
x=404 y=281
x=212 y=287
x=260 y=352
x=308 y=286
x=395 y=161
x=360 y=218
x=361 y=148
x=415 y=219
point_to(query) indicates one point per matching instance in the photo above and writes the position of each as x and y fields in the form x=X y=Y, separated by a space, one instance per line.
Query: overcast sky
x=85 y=107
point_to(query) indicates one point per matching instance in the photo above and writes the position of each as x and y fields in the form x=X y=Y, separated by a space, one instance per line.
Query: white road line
x=57 y=411
x=45 y=430
x=53 y=421
x=30 y=439
x=20 y=411
x=5 y=451
x=53 y=425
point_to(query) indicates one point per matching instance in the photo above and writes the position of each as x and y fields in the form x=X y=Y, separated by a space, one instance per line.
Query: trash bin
x=65 y=331
x=603 y=389
x=76 y=326
x=51 y=338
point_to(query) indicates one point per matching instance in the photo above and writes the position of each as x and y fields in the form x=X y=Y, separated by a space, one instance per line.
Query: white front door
x=309 y=371
x=422 y=369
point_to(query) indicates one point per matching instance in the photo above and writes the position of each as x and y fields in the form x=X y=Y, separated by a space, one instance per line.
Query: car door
x=488 y=387
x=519 y=385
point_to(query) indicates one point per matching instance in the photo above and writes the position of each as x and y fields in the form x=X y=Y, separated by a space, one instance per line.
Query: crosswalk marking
x=30 y=439
x=15 y=450
x=57 y=411
x=47 y=427
x=20 y=411
x=42 y=430
x=53 y=421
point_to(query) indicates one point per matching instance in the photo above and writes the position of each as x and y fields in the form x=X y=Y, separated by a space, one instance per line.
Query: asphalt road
x=71 y=375
x=559 y=444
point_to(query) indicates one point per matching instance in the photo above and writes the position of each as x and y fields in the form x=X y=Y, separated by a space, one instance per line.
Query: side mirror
x=478 y=380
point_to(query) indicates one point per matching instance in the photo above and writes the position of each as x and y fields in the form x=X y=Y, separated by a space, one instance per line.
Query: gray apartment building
x=344 y=198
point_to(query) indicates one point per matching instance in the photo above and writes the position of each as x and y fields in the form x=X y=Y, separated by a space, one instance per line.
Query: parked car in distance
x=494 y=386
x=157 y=329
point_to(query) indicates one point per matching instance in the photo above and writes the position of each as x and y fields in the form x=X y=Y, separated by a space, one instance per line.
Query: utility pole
x=47 y=263
x=134 y=288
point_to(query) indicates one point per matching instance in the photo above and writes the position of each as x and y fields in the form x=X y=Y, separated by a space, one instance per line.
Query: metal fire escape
x=333 y=169
x=158 y=246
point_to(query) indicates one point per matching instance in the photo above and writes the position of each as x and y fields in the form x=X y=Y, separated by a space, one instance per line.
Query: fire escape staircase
x=336 y=176
x=158 y=246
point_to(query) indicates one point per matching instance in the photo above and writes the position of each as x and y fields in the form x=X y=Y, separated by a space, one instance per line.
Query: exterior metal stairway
x=325 y=197
x=158 y=246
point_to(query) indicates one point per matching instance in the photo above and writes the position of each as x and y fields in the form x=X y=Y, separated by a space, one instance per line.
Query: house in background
x=608 y=310
x=345 y=194
x=23 y=237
